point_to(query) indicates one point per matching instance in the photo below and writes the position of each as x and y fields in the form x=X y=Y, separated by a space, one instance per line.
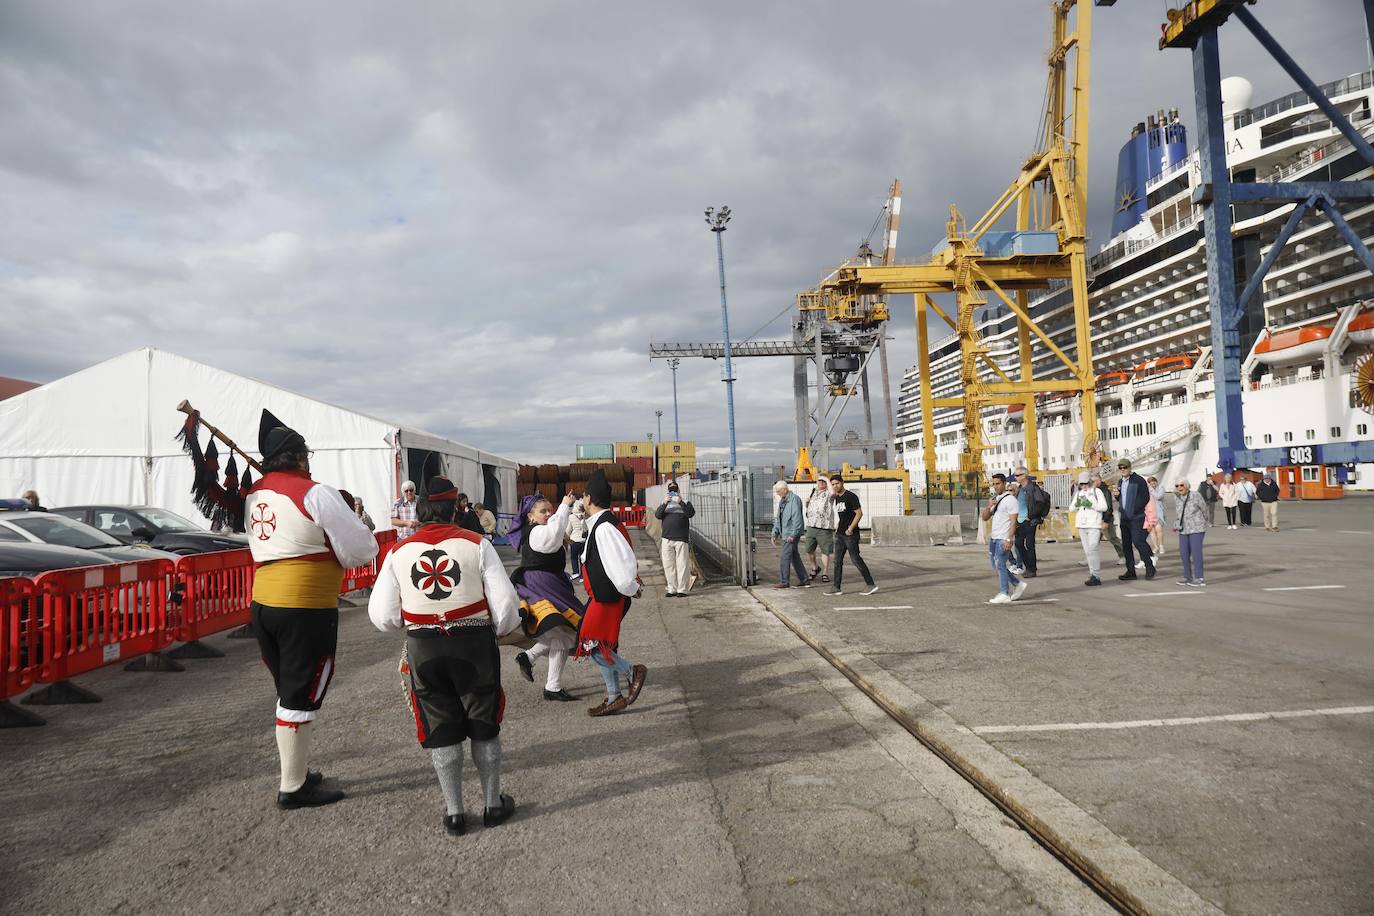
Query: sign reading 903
x=1305 y=454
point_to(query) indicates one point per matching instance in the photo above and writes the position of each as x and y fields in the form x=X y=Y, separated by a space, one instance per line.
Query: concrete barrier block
x=917 y=531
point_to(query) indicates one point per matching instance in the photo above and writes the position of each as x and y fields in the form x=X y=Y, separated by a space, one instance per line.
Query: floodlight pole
x=673 y=364
x=716 y=221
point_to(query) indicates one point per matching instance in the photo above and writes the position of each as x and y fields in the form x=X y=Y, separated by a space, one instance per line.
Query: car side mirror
x=143 y=534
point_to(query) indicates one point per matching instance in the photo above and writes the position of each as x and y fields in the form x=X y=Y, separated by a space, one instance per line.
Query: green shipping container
x=598 y=451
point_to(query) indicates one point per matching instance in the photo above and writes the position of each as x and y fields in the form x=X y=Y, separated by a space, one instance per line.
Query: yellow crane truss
x=1049 y=195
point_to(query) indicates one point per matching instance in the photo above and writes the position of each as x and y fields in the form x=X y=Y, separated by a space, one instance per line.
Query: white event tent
x=107 y=435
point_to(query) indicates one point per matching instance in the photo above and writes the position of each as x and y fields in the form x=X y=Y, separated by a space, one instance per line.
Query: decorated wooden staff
x=221 y=503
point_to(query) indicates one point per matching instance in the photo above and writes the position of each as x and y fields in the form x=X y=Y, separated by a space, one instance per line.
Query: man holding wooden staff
x=303 y=536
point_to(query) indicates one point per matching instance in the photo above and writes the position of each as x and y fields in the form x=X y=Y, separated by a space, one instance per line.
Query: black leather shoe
x=1093 y=580
x=308 y=796
x=561 y=695
x=1028 y=574
x=455 y=824
x=495 y=817
x=1127 y=577
x=1150 y=573
x=313 y=778
x=526 y=666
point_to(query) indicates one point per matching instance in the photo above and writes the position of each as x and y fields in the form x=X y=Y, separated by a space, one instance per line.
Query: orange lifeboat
x=1361 y=330
x=1294 y=346
x=1112 y=379
x=1175 y=362
x=1015 y=410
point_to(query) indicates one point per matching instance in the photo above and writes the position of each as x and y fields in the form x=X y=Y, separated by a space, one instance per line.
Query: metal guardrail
x=723 y=527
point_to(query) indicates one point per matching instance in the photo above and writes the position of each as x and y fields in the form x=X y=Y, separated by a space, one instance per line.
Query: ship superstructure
x=1150 y=315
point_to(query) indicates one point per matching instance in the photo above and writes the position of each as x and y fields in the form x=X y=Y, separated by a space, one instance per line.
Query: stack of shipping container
x=629 y=467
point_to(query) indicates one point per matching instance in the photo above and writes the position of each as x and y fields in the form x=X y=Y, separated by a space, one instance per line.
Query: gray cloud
x=475 y=217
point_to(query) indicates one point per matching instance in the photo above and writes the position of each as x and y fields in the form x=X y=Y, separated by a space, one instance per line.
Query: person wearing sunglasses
x=1191 y=515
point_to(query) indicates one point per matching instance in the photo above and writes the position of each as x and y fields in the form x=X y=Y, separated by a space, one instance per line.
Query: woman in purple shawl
x=548 y=606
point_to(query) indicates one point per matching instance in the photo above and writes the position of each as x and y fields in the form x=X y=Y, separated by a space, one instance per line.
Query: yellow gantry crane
x=1048 y=246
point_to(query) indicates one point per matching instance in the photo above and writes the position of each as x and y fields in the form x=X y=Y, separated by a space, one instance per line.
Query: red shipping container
x=644 y=481
x=638 y=465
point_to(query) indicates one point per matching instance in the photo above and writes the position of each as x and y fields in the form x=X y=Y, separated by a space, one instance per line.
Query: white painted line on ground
x=873 y=607
x=1355 y=532
x=1300 y=588
x=1034 y=600
x=1183 y=720
x=1191 y=591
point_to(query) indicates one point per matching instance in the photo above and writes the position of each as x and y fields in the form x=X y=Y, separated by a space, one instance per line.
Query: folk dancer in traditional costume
x=548 y=606
x=446 y=587
x=302 y=535
x=610 y=575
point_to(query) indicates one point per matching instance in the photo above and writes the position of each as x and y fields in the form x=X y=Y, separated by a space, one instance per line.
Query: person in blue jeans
x=1001 y=511
x=789 y=524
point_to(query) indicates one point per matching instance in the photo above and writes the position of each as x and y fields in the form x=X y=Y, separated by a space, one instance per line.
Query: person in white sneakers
x=1001 y=511
x=1090 y=506
x=848 y=513
x=1230 y=496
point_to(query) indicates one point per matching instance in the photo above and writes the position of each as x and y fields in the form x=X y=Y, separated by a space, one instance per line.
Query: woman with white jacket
x=1090 y=505
x=1230 y=495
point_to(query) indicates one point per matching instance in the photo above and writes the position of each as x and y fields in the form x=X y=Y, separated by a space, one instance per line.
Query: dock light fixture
x=716 y=220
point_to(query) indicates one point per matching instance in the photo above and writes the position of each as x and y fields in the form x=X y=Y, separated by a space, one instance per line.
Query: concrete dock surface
x=1215 y=737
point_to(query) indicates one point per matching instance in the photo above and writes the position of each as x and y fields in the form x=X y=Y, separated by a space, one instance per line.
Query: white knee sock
x=538 y=650
x=448 y=766
x=557 y=659
x=487 y=756
x=293 y=747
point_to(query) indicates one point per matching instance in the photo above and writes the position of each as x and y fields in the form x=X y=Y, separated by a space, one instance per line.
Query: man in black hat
x=446 y=587
x=675 y=514
x=303 y=536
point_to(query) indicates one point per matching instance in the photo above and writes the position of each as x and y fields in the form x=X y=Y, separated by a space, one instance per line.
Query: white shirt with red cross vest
x=443 y=575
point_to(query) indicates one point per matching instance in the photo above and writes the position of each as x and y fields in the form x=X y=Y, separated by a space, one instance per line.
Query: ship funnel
x=1236 y=93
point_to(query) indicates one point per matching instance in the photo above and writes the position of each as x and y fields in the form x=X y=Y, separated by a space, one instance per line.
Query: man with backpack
x=1033 y=505
x=1208 y=491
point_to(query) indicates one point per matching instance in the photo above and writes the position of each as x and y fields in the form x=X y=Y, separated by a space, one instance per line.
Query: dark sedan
x=58 y=530
x=157 y=527
x=24 y=558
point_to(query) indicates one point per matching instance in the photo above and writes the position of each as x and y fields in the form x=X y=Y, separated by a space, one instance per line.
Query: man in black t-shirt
x=847 y=536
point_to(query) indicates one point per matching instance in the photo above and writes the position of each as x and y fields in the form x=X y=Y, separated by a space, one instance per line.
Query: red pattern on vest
x=293 y=485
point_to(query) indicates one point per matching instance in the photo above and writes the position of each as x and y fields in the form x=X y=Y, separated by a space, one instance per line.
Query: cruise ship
x=1303 y=334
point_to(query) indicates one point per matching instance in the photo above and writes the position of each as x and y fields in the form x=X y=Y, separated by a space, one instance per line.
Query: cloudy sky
x=474 y=218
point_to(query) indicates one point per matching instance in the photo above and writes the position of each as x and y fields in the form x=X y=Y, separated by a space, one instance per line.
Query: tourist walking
x=1032 y=505
x=1229 y=497
x=1133 y=496
x=819 y=541
x=1208 y=491
x=577 y=535
x=1091 y=507
x=849 y=512
x=789 y=524
x=1245 y=500
x=1001 y=511
x=1191 y=528
x=1268 y=494
x=1161 y=515
x=675 y=514
x=446 y=588
x=1108 y=516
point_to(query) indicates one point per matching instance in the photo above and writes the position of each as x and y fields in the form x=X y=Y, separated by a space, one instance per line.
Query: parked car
x=156 y=527
x=60 y=531
x=25 y=558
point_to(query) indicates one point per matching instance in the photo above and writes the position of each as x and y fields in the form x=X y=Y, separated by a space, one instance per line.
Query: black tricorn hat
x=440 y=488
x=598 y=489
x=275 y=437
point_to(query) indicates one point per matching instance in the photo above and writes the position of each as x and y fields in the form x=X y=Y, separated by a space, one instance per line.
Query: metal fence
x=723 y=527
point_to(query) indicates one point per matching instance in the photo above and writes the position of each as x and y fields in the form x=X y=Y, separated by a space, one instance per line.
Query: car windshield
x=54 y=529
x=167 y=521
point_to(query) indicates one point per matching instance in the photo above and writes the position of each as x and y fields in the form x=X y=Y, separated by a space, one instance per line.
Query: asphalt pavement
x=1225 y=733
x=750 y=776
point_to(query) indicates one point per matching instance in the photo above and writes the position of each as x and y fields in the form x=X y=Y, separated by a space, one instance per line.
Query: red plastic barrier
x=630 y=516
x=216 y=593
x=100 y=615
x=366 y=576
x=19 y=636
